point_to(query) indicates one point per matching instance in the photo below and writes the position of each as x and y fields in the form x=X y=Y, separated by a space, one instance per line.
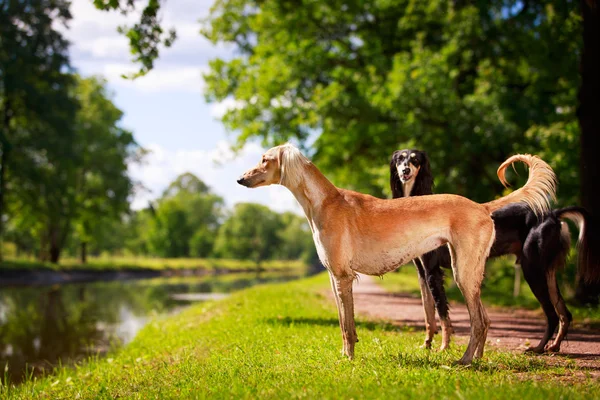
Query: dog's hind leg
x=342 y=289
x=564 y=315
x=535 y=276
x=428 y=304
x=468 y=265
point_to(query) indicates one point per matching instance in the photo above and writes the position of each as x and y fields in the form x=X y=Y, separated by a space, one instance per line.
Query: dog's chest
x=381 y=261
x=334 y=251
x=321 y=252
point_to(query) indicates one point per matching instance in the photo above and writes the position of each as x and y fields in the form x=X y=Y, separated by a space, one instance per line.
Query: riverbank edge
x=44 y=277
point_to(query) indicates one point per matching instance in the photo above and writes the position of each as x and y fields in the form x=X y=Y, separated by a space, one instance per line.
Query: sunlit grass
x=283 y=340
x=132 y=263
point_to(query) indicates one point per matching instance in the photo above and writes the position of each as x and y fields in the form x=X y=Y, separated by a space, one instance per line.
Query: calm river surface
x=44 y=325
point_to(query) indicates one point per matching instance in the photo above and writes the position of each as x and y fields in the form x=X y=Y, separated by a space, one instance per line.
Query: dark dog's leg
x=564 y=315
x=435 y=281
x=536 y=278
x=428 y=304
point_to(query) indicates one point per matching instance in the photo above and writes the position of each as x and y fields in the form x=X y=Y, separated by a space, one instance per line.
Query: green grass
x=497 y=289
x=133 y=263
x=283 y=340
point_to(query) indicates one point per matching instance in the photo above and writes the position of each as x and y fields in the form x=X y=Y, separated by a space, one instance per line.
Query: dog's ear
x=424 y=180
x=395 y=183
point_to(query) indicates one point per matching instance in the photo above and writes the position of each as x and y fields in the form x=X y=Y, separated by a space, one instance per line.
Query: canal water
x=43 y=326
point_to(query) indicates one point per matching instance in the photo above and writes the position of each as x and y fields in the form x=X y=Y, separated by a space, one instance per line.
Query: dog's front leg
x=342 y=290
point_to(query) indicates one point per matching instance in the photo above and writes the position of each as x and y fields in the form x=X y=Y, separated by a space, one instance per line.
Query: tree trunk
x=43 y=254
x=3 y=159
x=83 y=252
x=55 y=245
x=588 y=113
x=54 y=253
x=3 y=163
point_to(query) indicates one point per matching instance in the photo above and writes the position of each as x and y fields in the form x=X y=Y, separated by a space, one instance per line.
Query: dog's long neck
x=312 y=191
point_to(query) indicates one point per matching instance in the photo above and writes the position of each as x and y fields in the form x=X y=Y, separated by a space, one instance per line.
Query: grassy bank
x=497 y=289
x=283 y=340
x=133 y=263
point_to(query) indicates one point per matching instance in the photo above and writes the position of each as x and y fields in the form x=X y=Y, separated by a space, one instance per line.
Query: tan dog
x=354 y=232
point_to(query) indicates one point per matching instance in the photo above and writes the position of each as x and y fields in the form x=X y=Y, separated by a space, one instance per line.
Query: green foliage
x=251 y=232
x=255 y=232
x=103 y=184
x=36 y=107
x=283 y=341
x=469 y=82
x=72 y=179
x=185 y=220
x=461 y=80
x=296 y=240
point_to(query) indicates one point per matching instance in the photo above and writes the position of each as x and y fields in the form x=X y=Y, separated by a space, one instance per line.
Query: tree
x=76 y=176
x=34 y=73
x=251 y=232
x=295 y=238
x=589 y=123
x=589 y=104
x=462 y=80
x=103 y=185
x=186 y=219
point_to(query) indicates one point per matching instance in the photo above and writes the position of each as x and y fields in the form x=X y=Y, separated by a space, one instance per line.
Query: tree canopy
x=469 y=82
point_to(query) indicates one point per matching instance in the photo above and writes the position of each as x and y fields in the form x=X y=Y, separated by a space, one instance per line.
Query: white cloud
x=176 y=79
x=97 y=47
x=219 y=109
x=218 y=167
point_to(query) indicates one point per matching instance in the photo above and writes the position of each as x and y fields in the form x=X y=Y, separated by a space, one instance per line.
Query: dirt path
x=510 y=330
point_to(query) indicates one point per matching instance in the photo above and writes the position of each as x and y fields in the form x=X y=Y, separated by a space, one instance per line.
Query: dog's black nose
x=406 y=171
x=240 y=180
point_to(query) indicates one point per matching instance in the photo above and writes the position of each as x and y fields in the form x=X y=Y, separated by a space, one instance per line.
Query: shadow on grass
x=368 y=325
x=504 y=362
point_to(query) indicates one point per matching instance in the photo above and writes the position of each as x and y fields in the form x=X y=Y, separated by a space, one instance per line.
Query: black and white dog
x=541 y=246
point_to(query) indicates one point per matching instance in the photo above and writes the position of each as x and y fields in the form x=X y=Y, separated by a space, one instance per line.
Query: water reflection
x=41 y=325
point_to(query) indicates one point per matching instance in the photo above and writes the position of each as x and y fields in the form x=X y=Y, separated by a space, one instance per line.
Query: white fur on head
x=292 y=163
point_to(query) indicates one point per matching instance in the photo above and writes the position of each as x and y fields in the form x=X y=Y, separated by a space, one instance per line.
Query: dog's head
x=282 y=164
x=267 y=172
x=410 y=165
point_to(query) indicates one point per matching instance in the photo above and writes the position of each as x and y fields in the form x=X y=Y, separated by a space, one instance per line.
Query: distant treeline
x=188 y=220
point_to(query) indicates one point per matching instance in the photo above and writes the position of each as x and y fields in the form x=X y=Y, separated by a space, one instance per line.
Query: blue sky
x=166 y=109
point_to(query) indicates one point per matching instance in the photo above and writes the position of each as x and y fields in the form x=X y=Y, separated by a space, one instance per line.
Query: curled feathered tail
x=538 y=190
x=588 y=243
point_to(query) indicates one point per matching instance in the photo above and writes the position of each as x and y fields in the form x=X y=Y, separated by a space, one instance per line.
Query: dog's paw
x=463 y=362
x=536 y=350
x=426 y=345
x=552 y=348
